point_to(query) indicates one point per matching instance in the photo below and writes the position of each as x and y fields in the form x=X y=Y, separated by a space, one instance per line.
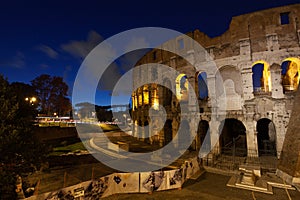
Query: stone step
x=281 y=185
x=235 y=182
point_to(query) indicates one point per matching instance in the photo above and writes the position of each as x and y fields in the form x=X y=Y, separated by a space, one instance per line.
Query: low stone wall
x=117 y=183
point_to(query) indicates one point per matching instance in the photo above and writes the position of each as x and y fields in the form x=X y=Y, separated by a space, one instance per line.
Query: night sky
x=53 y=37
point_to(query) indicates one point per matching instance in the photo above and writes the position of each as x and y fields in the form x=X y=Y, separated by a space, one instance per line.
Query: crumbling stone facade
x=258 y=58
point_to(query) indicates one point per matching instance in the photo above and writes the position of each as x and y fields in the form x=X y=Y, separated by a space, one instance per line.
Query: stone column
x=214 y=135
x=247 y=83
x=252 y=148
x=211 y=85
x=277 y=90
x=289 y=162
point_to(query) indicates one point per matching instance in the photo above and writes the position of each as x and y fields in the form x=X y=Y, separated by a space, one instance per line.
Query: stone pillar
x=252 y=148
x=211 y=85
x=277 y=90
x=247 y=83
x=289 y=162
x=214 y=135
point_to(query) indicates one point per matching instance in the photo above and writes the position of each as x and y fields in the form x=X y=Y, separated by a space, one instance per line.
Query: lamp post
x=31 y=100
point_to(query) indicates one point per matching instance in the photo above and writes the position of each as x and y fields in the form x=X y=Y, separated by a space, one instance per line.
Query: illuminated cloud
x=48 y=51
x=80 y=49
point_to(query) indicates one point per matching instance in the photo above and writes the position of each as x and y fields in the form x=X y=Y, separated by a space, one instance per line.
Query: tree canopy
x=52 y=94
x=19 y=149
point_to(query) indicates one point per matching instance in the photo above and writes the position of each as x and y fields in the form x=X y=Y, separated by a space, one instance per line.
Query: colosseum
x=258 y=58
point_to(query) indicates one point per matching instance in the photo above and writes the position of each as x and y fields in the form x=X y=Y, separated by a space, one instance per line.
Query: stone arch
x=261 y=77
x=182 y=87
x=290 y=70
x=233 y=73
x=266 y=137
x=201 y=85
x=232 y=140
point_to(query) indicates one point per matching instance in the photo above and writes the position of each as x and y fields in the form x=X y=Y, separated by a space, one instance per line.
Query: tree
x=19 y=149
x=52 y=95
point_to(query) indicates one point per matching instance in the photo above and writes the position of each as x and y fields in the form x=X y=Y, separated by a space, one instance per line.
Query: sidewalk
x=134 y=146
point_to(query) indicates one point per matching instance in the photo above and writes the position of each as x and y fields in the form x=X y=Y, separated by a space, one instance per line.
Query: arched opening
x=261 y=77
x=167 y=93
x=202 y=86
x=290 y=69
x=266 y=137
x=182 y=87
x=168 y=132
x=233 y=138
x=183 y=134
x=202 y=140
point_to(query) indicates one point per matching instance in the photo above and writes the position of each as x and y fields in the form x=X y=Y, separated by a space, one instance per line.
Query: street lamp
x=31 y=100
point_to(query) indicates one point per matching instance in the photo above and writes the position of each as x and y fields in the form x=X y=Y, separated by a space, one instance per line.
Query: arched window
x=202 y=85
x=182 y=87
x=290 y=74
x=261 y=77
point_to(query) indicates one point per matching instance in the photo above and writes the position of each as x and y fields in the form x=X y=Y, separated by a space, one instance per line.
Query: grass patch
x=79 y=146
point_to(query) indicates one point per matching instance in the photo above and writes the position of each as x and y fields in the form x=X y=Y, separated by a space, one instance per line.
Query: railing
x=232 y=158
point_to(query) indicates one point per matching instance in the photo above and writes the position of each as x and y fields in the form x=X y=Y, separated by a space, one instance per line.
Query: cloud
x=80 y=49
x=48 y=51
x=121 y=66
x=17 y=61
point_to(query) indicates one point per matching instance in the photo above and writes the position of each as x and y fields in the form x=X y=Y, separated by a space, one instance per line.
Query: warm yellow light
x=292 y=77
x=266 y=76
x=181 y=94
x=33 y=99
x=155 y=105
x=146 y=97
x=26 y=99
x=155 y=100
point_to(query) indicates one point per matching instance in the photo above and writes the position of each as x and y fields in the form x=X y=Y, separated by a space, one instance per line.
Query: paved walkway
x=100 y=145
x=207 y=186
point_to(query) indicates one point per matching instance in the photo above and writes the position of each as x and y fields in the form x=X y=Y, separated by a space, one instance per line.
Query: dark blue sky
x=53 y=37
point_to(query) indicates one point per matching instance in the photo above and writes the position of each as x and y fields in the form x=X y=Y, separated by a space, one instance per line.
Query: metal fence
x=231 y=159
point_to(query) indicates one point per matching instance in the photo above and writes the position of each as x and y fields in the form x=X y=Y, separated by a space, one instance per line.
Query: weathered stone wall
x=251 y=38
x=290 y=158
